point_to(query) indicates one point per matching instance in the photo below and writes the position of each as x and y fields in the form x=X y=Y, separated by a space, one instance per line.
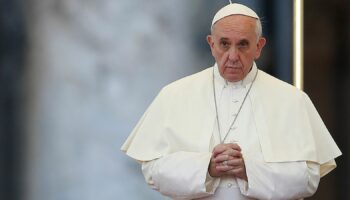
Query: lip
x=233 y=67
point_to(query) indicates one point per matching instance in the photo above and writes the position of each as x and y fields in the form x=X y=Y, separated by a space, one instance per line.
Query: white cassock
x=285 y=145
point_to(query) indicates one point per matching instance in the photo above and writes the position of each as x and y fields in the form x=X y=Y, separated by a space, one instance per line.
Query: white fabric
x=182 y=118
x=175 y=175
x=230 y=96
x=233 y=9
x=182 y=176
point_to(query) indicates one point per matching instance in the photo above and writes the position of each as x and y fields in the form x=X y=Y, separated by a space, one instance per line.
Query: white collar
x=221 y=82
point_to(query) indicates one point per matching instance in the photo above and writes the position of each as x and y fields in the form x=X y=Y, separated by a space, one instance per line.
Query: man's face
x=235 y=46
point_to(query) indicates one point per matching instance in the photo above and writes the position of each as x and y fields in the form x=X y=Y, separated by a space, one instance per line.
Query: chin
x=233 y=78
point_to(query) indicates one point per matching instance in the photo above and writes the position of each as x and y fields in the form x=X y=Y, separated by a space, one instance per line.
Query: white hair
x=258 y=29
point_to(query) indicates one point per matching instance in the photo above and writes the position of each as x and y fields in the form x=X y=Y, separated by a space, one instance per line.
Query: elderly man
x=233 y=131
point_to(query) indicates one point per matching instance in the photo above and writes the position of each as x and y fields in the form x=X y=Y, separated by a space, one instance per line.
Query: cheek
x=255 y=53
x=250 y=56
x=217 y=54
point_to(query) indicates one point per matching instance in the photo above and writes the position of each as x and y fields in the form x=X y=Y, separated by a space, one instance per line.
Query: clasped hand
x=227 y=160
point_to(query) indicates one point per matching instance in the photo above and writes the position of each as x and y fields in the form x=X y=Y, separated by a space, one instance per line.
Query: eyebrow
x=243 y=41
x=224 y=39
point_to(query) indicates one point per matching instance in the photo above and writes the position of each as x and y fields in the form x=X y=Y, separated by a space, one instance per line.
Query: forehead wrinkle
x=233 y=24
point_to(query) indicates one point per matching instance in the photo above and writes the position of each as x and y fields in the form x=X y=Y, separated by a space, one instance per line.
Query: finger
x=219 y=149
x=224 y=168
x=234 y=146
x=235 y=162
x=238 y=172
x=221 y=158
x=224 y=147
x=232 y=152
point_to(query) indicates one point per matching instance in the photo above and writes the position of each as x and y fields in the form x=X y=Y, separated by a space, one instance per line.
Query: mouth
x=233 y=67
x=233 y=70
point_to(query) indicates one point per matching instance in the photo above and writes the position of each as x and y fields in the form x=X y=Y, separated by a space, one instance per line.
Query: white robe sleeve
x=286 y=180
x=181 y=175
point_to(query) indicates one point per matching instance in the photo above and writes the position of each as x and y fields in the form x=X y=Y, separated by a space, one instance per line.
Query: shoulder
x=276 y=88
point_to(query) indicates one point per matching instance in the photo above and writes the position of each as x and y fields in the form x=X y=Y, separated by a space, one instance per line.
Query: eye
x=243 y=44
x=224 y=44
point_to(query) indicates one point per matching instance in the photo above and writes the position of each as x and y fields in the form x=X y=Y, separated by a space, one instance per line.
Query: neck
x=245 y=81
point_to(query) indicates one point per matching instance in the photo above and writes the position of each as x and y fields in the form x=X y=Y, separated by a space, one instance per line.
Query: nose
x=233 y=54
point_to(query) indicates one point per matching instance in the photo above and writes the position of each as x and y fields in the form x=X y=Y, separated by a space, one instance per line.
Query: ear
x=261 y=43
x=210 y=41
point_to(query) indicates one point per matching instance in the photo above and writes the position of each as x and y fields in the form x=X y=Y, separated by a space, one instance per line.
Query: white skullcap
x=234 y=9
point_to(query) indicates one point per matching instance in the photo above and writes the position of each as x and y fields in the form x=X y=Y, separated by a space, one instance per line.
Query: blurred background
x=76 y=75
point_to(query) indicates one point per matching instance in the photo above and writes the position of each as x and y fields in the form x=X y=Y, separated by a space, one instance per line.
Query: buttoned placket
x=237 y=93
x=231 y=95
x=229 y=98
